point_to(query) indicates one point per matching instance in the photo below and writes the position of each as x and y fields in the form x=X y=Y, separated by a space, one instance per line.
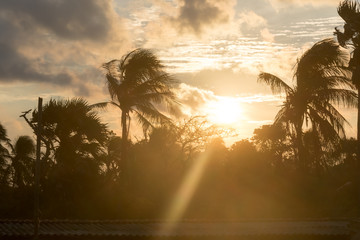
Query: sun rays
x=224 y=111
x=185 y=192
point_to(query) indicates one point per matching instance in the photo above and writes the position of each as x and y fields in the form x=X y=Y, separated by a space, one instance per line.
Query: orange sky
x=215 y=49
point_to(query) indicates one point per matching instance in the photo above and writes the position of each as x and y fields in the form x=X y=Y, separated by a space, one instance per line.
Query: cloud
x=225 y=82
x=267 y=35
x=15 y=66
x=193 y=97
x=81 y=19
x=318 y=3
x=170 y=21
x=54 y=42
x=255 y=109
x=195 y=15
x=251 y=20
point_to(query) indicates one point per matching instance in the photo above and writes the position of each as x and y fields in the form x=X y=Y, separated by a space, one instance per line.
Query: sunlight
x=185 y=193
x=224 y=111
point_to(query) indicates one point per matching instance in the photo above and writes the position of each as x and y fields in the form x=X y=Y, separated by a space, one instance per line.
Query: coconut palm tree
x=138 y=85
x=321 y=80
x=22 y=161
x=349 y=11
x=16 y=161
x=4 y=156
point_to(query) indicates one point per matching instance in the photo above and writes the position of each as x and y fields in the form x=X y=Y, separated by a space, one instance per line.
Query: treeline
x=82 y=176
x=300 y=166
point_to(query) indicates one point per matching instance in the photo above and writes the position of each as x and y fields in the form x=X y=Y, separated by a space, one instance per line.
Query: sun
x=224 y=111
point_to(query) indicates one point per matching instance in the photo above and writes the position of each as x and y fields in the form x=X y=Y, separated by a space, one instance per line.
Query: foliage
x=75 y=137
x=138 y=84
x=275 y=143
x=89 y=172
x=194 y=134
x=4 y=153
x=22 y=161
x=321 y=80
x=350 y=12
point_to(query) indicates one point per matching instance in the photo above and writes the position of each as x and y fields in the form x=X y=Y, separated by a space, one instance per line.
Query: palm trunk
x=355 y=63
x=124 y=149
x=358 y=129
x=357 y=174
x=300 y=146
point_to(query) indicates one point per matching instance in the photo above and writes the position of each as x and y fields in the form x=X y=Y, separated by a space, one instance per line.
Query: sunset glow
x=224 y=111
x=195 y=119
x=218 y=59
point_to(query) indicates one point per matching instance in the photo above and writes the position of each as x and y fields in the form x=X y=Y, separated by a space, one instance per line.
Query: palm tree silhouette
x=349 y=11
x=4 y=156
x=321 y=80
x=16 y=165
x=138 y=84
x=72 y=128
x=22 y=161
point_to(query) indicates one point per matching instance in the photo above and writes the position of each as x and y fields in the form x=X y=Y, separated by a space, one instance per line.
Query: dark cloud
x=15 y=66
x=194 y=15
x=34 y=35
x=92 y=74
x=82 y=90
x=80 y=19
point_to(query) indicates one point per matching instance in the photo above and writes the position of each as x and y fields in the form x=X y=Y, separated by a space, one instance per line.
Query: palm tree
x=4 y=156
x=72 y=128
x=16 y=165
x=138 y=84
x=349 y=11
x=321 y=80
x=22 y=161
x=76 y=136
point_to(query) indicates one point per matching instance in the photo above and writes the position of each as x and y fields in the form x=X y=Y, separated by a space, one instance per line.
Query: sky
x=214 y=48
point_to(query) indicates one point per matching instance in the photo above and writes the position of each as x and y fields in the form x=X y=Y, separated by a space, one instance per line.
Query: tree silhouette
x=22 y=161
x=72 y=127
x=275 y=143
x=4 y=156
x=111 y=156
x=77 y=137
x=321 y=80
x=137 y=85
x=194 y=133
x=349 y=11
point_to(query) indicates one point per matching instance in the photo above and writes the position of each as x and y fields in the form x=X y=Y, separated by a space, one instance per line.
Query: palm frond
x=113 y=85
x=138 y=81
x=349 y=11
x=159 y=83
x=152 y=114
x=154 y=97
x=140 y=65
x=324 y=54
x=328 y=130
x=276 y=84
x=145 y=123
x=3 y=133
x=334 y=81
x=104 y=105
x=344 y=97
x=284 y=114
x=330 y=114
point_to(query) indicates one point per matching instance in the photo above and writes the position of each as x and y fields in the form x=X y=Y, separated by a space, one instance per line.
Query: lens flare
x=185 y=193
